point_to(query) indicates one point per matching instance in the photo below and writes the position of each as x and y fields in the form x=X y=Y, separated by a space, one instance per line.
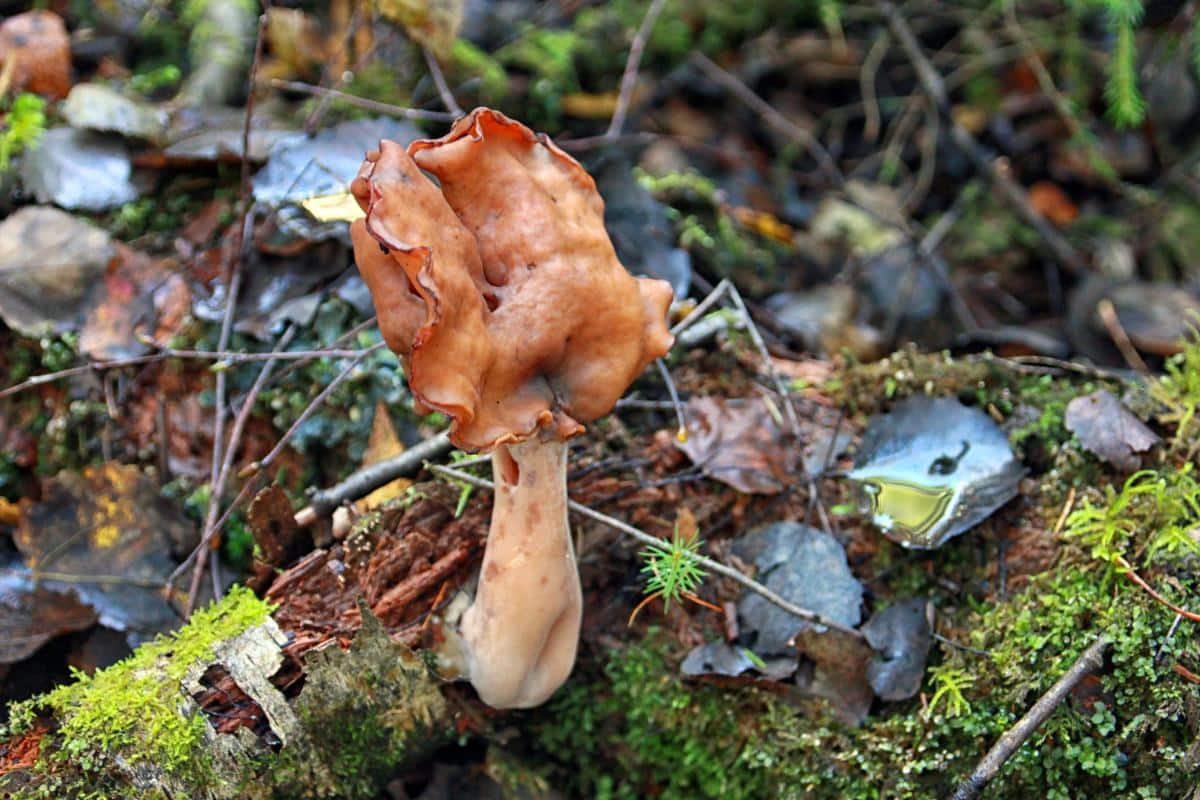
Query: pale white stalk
x=521 y=633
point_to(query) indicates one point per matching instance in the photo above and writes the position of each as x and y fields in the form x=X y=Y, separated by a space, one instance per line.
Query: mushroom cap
x=501 y=290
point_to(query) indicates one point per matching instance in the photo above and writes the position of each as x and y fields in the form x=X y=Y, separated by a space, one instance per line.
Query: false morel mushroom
x=501 y=292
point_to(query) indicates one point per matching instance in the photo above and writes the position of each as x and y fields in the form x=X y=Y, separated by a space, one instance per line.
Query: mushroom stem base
x=522 y=631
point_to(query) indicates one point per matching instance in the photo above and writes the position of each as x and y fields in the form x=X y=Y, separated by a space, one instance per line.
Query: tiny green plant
x=673 y=572
x=949 y=682
x=1178 y=389
x=23 y=126
x=1154 y=513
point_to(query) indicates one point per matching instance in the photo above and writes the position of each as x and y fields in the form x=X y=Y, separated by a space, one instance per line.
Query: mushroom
x=504 y=298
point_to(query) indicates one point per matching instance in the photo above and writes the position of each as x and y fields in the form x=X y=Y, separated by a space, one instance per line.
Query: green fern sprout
x=1126 y=106
x=24 y=125
x=949 y=683
x=672 y=570
x=1161 y=508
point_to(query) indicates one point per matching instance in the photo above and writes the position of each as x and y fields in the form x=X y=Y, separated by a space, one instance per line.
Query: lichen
x=130 y=713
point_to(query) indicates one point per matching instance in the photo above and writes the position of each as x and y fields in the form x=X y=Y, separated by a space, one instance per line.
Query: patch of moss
x=637 y=730
x=131 y=710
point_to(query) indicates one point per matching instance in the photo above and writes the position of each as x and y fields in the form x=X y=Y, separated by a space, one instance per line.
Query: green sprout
x=24 y=125
x=673 y=572
x=1166 y=504
x=949 y=682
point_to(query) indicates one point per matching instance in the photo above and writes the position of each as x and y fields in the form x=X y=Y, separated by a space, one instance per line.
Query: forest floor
x=934 y=386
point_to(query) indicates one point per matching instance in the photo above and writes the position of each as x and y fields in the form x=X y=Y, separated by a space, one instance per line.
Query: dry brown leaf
x=383 y=444
x=737 y=442
x=36 y=52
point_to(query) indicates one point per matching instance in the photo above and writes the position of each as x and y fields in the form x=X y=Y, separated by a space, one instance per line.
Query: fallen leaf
x=96 y=107
x=32 y=614
x=76 y=169
x=1052 y=203
x=838 y=673
x=140 y=298
x=1106 y=428
x=382 y=445
x=722 y=658
x=738 y=443
x=803 y=565
x=37 y=47
x=110 y=536
x=901 y=637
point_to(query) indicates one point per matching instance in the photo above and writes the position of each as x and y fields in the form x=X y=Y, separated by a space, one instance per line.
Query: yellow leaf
x=330 y=207
x=383 y=444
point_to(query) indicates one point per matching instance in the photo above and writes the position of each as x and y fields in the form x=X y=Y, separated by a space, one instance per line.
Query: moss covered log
x=136 y=730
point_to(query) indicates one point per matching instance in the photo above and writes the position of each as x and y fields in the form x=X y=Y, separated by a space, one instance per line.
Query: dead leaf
x=837 y=673
x=1052 y=203
x=900 y=634
x=139 y=298
x=1105 y=427
x=109 y=535
x=383 y=444
x=738 y=443
x=38 y=49
x=31 y=615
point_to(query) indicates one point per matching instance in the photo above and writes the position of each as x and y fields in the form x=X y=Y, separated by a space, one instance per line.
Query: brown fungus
x=501 y=291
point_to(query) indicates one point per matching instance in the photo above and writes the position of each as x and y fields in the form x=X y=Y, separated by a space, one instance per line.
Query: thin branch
x=316 y=403
x=370 y=478
x=1062 y=250
x=1139 y=581
x=439 y=80
x=630 y=76
x=645 y=538
x=362 y=102
x=1011 y=740
x=773 y=117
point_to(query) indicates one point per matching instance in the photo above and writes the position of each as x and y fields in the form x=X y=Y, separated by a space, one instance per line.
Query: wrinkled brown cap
x=501 y=290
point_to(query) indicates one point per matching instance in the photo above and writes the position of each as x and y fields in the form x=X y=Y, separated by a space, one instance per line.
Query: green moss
x=636 y=730
x=131 y=710
x=470 y=62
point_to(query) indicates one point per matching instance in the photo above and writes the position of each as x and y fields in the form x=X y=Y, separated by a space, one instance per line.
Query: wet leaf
x=932 y=469
x=306 y=180
x=738 y=443
x=900 y=634
x=722 y=658
x=49 y=261
x=1052 y=203
x=834 y=669
x=109 y=535
x=1108 y=429
x=38 y=49
x=803 y=565
x=76 y=169
x=31 y=615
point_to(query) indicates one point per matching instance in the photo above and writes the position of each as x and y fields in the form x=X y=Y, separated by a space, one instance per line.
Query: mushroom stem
x=521 y=632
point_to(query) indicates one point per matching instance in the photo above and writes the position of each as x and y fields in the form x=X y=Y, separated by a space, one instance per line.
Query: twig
x=233 y=283
x=362 y=102
x=439 y=80
x=1112 y=323
x=316 y=403
x=645 y=538
x=370 y=478
x=773 y=117
x=1011 y=740
x=1062 y=250
x=681 y=434
x=1138 y=580
x=1066 y=512
x=629 y=77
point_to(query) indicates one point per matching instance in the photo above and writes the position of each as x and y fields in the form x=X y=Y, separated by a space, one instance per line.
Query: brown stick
x=363 y=102
x=1011 y=740
x=629 y=77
